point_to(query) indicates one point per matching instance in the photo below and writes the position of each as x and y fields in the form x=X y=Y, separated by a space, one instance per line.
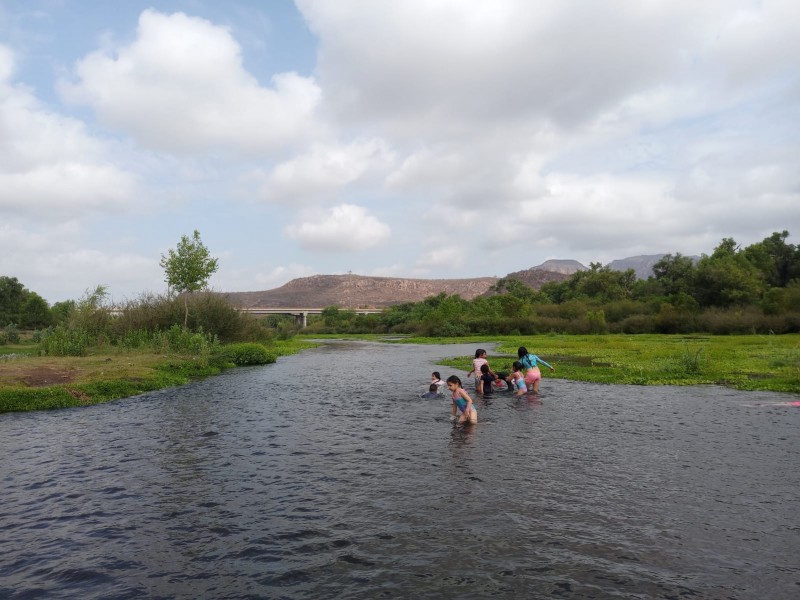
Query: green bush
x=137 y=339
x=11 y=334
x=208 y=312
x=247 y=353
x=597 y=321
x=179 y=339
x=38 y=335
x=62 y=341
x=636 y=324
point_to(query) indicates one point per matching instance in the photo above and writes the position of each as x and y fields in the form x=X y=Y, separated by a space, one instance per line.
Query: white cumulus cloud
x=50 y=166
x=181 y=86
x=325 y=169
x=344 y=228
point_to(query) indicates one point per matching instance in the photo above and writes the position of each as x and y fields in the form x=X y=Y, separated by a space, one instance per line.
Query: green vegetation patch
x=47 y=382
x=248 y=353
x=754 y=362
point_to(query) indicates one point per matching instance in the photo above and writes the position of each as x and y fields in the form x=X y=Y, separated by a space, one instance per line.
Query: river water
x=326 y=476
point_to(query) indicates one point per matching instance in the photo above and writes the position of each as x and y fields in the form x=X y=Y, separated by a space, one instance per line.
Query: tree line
x=186 y=318
x=732 y=290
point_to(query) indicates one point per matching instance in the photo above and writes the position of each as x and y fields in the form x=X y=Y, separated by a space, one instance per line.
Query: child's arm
x=547 y=364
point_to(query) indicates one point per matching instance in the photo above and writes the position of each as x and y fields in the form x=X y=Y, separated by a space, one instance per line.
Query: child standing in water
x=530 y=362
x=477 y=363
x=436 y=380
x=486 y=381
x=462 y=403
x=518 y=380
x=432 y=393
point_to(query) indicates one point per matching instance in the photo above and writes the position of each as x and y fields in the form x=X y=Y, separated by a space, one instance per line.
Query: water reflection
x=462 y=436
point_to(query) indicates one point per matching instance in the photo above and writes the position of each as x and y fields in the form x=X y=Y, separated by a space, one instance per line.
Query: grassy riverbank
x=752 y=362
x=32 y=382
x=744 y=362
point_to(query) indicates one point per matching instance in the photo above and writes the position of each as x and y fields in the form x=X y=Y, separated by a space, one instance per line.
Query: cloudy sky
x=422 y=138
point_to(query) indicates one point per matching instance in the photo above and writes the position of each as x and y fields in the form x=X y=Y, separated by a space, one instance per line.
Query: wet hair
x=484 y=368
x=433 y=388
x=436 y=374
x=517 y=365
x=454 y=379
x=479 y=351
x=522 y=351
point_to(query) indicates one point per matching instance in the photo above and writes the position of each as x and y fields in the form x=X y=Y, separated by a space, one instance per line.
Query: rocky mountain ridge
x=360 y=291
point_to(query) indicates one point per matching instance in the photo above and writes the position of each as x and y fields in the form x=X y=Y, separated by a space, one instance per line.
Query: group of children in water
x=523 y=379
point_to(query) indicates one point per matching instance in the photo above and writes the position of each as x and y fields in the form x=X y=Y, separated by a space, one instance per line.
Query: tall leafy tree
x=726 y=278
x=778 y=261
x=61 y=311
x=674 y=274
x=12 y=295
x=35 y=311
x=605 y=284
x=188 y=268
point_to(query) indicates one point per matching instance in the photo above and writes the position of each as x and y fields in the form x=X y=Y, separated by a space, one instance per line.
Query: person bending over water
x=462 y=403
x=516 y=378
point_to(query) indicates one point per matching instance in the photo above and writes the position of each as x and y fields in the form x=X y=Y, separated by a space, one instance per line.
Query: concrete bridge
x=301 y=314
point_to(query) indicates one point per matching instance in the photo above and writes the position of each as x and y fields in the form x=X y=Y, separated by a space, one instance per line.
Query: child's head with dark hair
x=454 y=379
x=484 y=369
x=517 y=365
x=479 y=352
x=436 y=375
x=433 y=388
x=522 y=351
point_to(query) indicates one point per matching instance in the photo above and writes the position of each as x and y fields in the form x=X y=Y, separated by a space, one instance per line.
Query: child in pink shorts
x=531 y=363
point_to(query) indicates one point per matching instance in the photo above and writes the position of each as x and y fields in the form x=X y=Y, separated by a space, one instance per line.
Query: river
x=326 y=476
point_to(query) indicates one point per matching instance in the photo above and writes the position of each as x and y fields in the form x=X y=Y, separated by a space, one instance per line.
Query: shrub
x=636 y=324
x=12 y=334
x=597 y=321
x=38 y=335
x=208 y=312
x=623 y=309
x=62 y=341
x=444 y=329
x=691 y=361
x=179 y=339
x=137 y=339
x=247 y=353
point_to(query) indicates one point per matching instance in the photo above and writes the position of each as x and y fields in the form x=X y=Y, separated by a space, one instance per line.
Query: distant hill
x=641 y=265
x=536 y=277
x=567 y=267
x=359 y=291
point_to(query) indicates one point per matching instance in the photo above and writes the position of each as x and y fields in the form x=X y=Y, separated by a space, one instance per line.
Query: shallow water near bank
x=325 y=475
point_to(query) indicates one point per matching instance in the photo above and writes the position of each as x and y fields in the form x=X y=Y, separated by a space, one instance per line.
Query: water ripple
x=249 y=485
